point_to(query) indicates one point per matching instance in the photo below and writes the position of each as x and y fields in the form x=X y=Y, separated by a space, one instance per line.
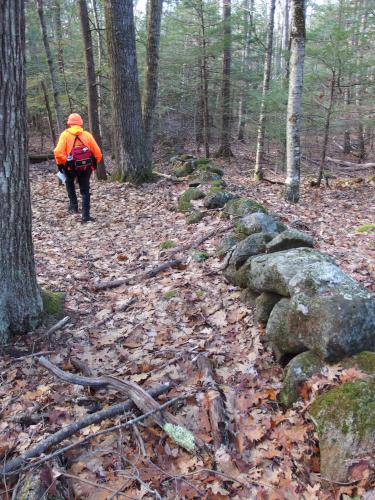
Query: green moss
x=349 y=408
x=364 y=361
x=184 y=200
x=219 y=184
x=202 y=161
x=200 y=294
x=164 y=245
x=170 y=294
x=365 y=228
x=53 y=303
x=199 y=256
x=194 y=217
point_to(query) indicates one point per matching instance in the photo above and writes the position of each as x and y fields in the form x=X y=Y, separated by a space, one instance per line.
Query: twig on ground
x=97 y=485
x=57 y=326
x=71 y=429
x=171 y=424
x=103 y=285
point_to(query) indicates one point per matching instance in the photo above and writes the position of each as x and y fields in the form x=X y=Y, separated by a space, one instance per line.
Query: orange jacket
x=66 y=141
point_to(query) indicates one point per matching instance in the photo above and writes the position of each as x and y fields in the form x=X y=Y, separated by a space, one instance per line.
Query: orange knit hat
x=75 y=119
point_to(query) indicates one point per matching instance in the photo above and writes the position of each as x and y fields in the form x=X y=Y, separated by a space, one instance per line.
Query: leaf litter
x=135 y=332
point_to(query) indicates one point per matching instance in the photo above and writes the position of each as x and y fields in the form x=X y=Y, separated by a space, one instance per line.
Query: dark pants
x=84 y=187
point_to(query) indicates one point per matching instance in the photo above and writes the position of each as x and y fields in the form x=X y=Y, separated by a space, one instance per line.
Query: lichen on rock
x=181 y=436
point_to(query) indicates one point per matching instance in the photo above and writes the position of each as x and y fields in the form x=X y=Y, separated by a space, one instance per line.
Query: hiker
x=77 y=155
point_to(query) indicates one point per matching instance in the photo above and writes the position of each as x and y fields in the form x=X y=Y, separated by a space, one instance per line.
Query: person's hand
x=94 y=162
x=61 y=168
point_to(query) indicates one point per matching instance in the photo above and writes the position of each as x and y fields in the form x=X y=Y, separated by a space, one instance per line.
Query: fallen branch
x=16 y=464
x=270 y=181
x=216 y=409
x=356 y=166
x=103 y=285
x=196 y=243
x=113 y=428
x=58 y=325
x=142 y=400
x=38 y=158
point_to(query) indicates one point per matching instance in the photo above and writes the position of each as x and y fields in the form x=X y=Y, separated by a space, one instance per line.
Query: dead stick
x=72 y=429
x=58 y=325
x=142 y=400
x=199 y=241
x=103 y=285
x=216 y=409
x=124 y=425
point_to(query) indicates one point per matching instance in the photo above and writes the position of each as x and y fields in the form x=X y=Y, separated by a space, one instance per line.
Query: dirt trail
x=172 y=318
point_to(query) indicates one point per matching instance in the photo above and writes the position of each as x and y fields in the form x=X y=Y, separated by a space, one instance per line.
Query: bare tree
x=248 y=7
x=60 y=50
x=258 y=174
x=226 y=110
x=20 y=301
x=51 y=66
x=293 y=124
x=154 y=12
x=132 y=154
x=204 y=79
x=92 y=92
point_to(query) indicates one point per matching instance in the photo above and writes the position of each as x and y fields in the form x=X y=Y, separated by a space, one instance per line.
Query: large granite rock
x=278 y=332
x=273 y=272
x=345 y=422
x=259 y=223
x=332 y=314
x=184 y=200
x=291 y=238
x=298 y=370
x=226 y=244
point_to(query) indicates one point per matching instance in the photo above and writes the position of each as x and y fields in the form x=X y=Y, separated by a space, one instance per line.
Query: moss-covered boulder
x=273 y=272
x=298 y=370
x=264 y=304
x=194 y=217
x=53 y=303
x=278 y=333
x=248 y=297
x=331 y=313
x=238 y=277
x=345 y=422
x=364 y=361
x=228 y=242
x=291 y=238
x=243 y=206
x=205 y=178
x=259 y=223
x=184 y=200
x=217 y=198
x=251 y=245
x=199 y=255
x=183 y=168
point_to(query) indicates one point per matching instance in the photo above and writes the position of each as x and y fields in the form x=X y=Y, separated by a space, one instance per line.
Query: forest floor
x=151 y=332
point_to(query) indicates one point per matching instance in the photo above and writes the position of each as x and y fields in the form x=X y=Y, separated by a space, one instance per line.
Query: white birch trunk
x=293 y=125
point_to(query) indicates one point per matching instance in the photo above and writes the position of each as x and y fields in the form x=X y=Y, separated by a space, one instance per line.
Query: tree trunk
x=49 y=114
x=326 y=130
x=204 y=88
x=226 y=112
x=258 y=174
x=248 y=7
x=99 y=66
x=285 y=43
x=51 y=66
x=293 y=124
x=132 y=155
x=20 y=300
x=92 y=92
x=150 y=91
x=347 y=142
x=60 y=50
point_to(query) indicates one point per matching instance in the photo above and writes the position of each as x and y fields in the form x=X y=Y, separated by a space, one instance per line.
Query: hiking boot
x=87 y=219
x=73 y=210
